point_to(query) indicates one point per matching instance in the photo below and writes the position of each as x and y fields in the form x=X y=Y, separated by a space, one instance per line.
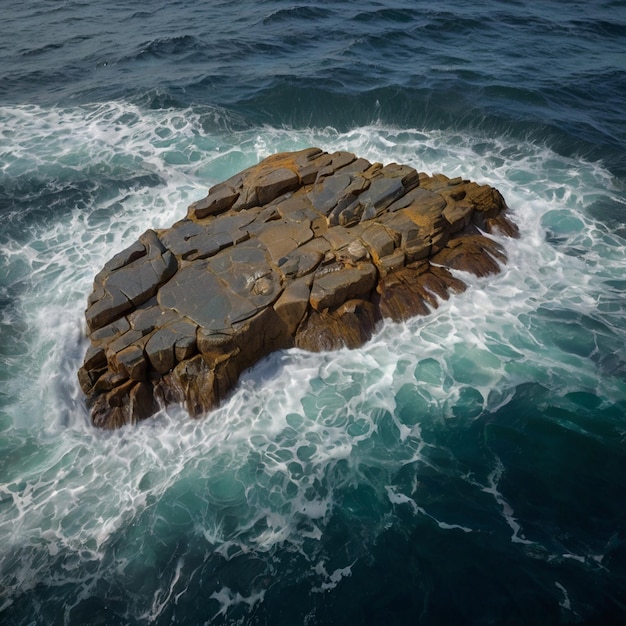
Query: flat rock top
x=305 y=249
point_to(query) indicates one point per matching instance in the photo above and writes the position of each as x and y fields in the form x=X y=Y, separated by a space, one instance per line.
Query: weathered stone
x=197 y=293
x=392 y=262
x=220 y=198
x=141 y=282
x=129 y=285
x=426 y=202
x=110 y=332
x=215 y=344
x=309 y=163
x=186 y=346
x=306 y=248
x=146 y=318
x=95 y=358
x=486 y=200
x=107 y=309
x=160 y=351
x=329 y=192
x=113 y=408
x=142 y=402
x=417 y=251
x=397 y=297
x=240 y=269
x=348 y=211
x=302 y=261
x=275 y=183
x=87 y=377
x=408 y=176
x=125 y=257
x=439 y=238
x=472 y=253
x=405 y=231
x=206 y=245
x=354 y=251
x=499 y=224
x=333 y=288
x=292 y=304
x=336 y=162
x=380 y=194
x=171 y=344
x=191 y=383
x=458 y=215
x=379 y=242
x=177 y=237
x=263 y=183
x=349 y=326
x=123 y=341
x=436 y=182
x=358 y=166
x=295 y=208
x=339 y=238
x=110 y=379
x=284 y=237
x=132 y=360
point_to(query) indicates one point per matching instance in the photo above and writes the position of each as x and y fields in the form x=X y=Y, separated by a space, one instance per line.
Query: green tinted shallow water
x=479 y=449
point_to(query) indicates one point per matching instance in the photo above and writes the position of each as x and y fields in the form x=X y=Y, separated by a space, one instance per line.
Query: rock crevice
x=306 y=249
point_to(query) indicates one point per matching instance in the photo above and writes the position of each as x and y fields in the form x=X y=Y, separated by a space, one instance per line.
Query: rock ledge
x=306 y=249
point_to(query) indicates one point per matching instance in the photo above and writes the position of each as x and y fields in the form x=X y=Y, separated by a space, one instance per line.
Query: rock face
x=305 y=249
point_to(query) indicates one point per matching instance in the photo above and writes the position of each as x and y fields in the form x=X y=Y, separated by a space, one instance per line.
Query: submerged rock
x=305 y=249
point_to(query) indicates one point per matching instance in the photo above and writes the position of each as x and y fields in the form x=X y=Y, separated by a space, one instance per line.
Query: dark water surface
x=464 y=468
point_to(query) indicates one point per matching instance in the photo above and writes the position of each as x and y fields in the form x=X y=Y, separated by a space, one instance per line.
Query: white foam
x=227 y=599
x=163 y=596
x=396 y=497
x=506 y=509
x=299 y=427
x=565 y=603
x=333 y=579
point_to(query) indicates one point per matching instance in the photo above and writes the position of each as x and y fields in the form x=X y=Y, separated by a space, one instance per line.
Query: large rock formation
x=305 y=249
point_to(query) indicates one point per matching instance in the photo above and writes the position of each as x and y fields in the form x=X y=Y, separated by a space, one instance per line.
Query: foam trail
x=507 y=511
x=270 y=469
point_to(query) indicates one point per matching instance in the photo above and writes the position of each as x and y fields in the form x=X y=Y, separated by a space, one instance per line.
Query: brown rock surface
x=305 y=249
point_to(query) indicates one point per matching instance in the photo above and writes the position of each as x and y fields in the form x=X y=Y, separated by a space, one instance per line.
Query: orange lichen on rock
x=306 y=249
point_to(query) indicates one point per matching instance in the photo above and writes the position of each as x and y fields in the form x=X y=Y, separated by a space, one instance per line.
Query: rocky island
x=305 y=249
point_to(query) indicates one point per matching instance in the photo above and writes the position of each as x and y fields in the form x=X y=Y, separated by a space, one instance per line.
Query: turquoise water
x=466 y=467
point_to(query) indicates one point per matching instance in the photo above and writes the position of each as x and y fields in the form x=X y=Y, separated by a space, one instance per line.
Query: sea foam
x=272 y=466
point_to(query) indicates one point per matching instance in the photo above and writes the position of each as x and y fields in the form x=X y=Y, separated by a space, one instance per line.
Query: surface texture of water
x=467 y=467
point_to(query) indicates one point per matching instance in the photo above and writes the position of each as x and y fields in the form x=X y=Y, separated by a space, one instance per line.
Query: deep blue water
x=464 y=468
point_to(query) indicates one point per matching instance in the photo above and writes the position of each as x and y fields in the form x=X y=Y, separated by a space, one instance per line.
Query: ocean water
x=468 y=467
